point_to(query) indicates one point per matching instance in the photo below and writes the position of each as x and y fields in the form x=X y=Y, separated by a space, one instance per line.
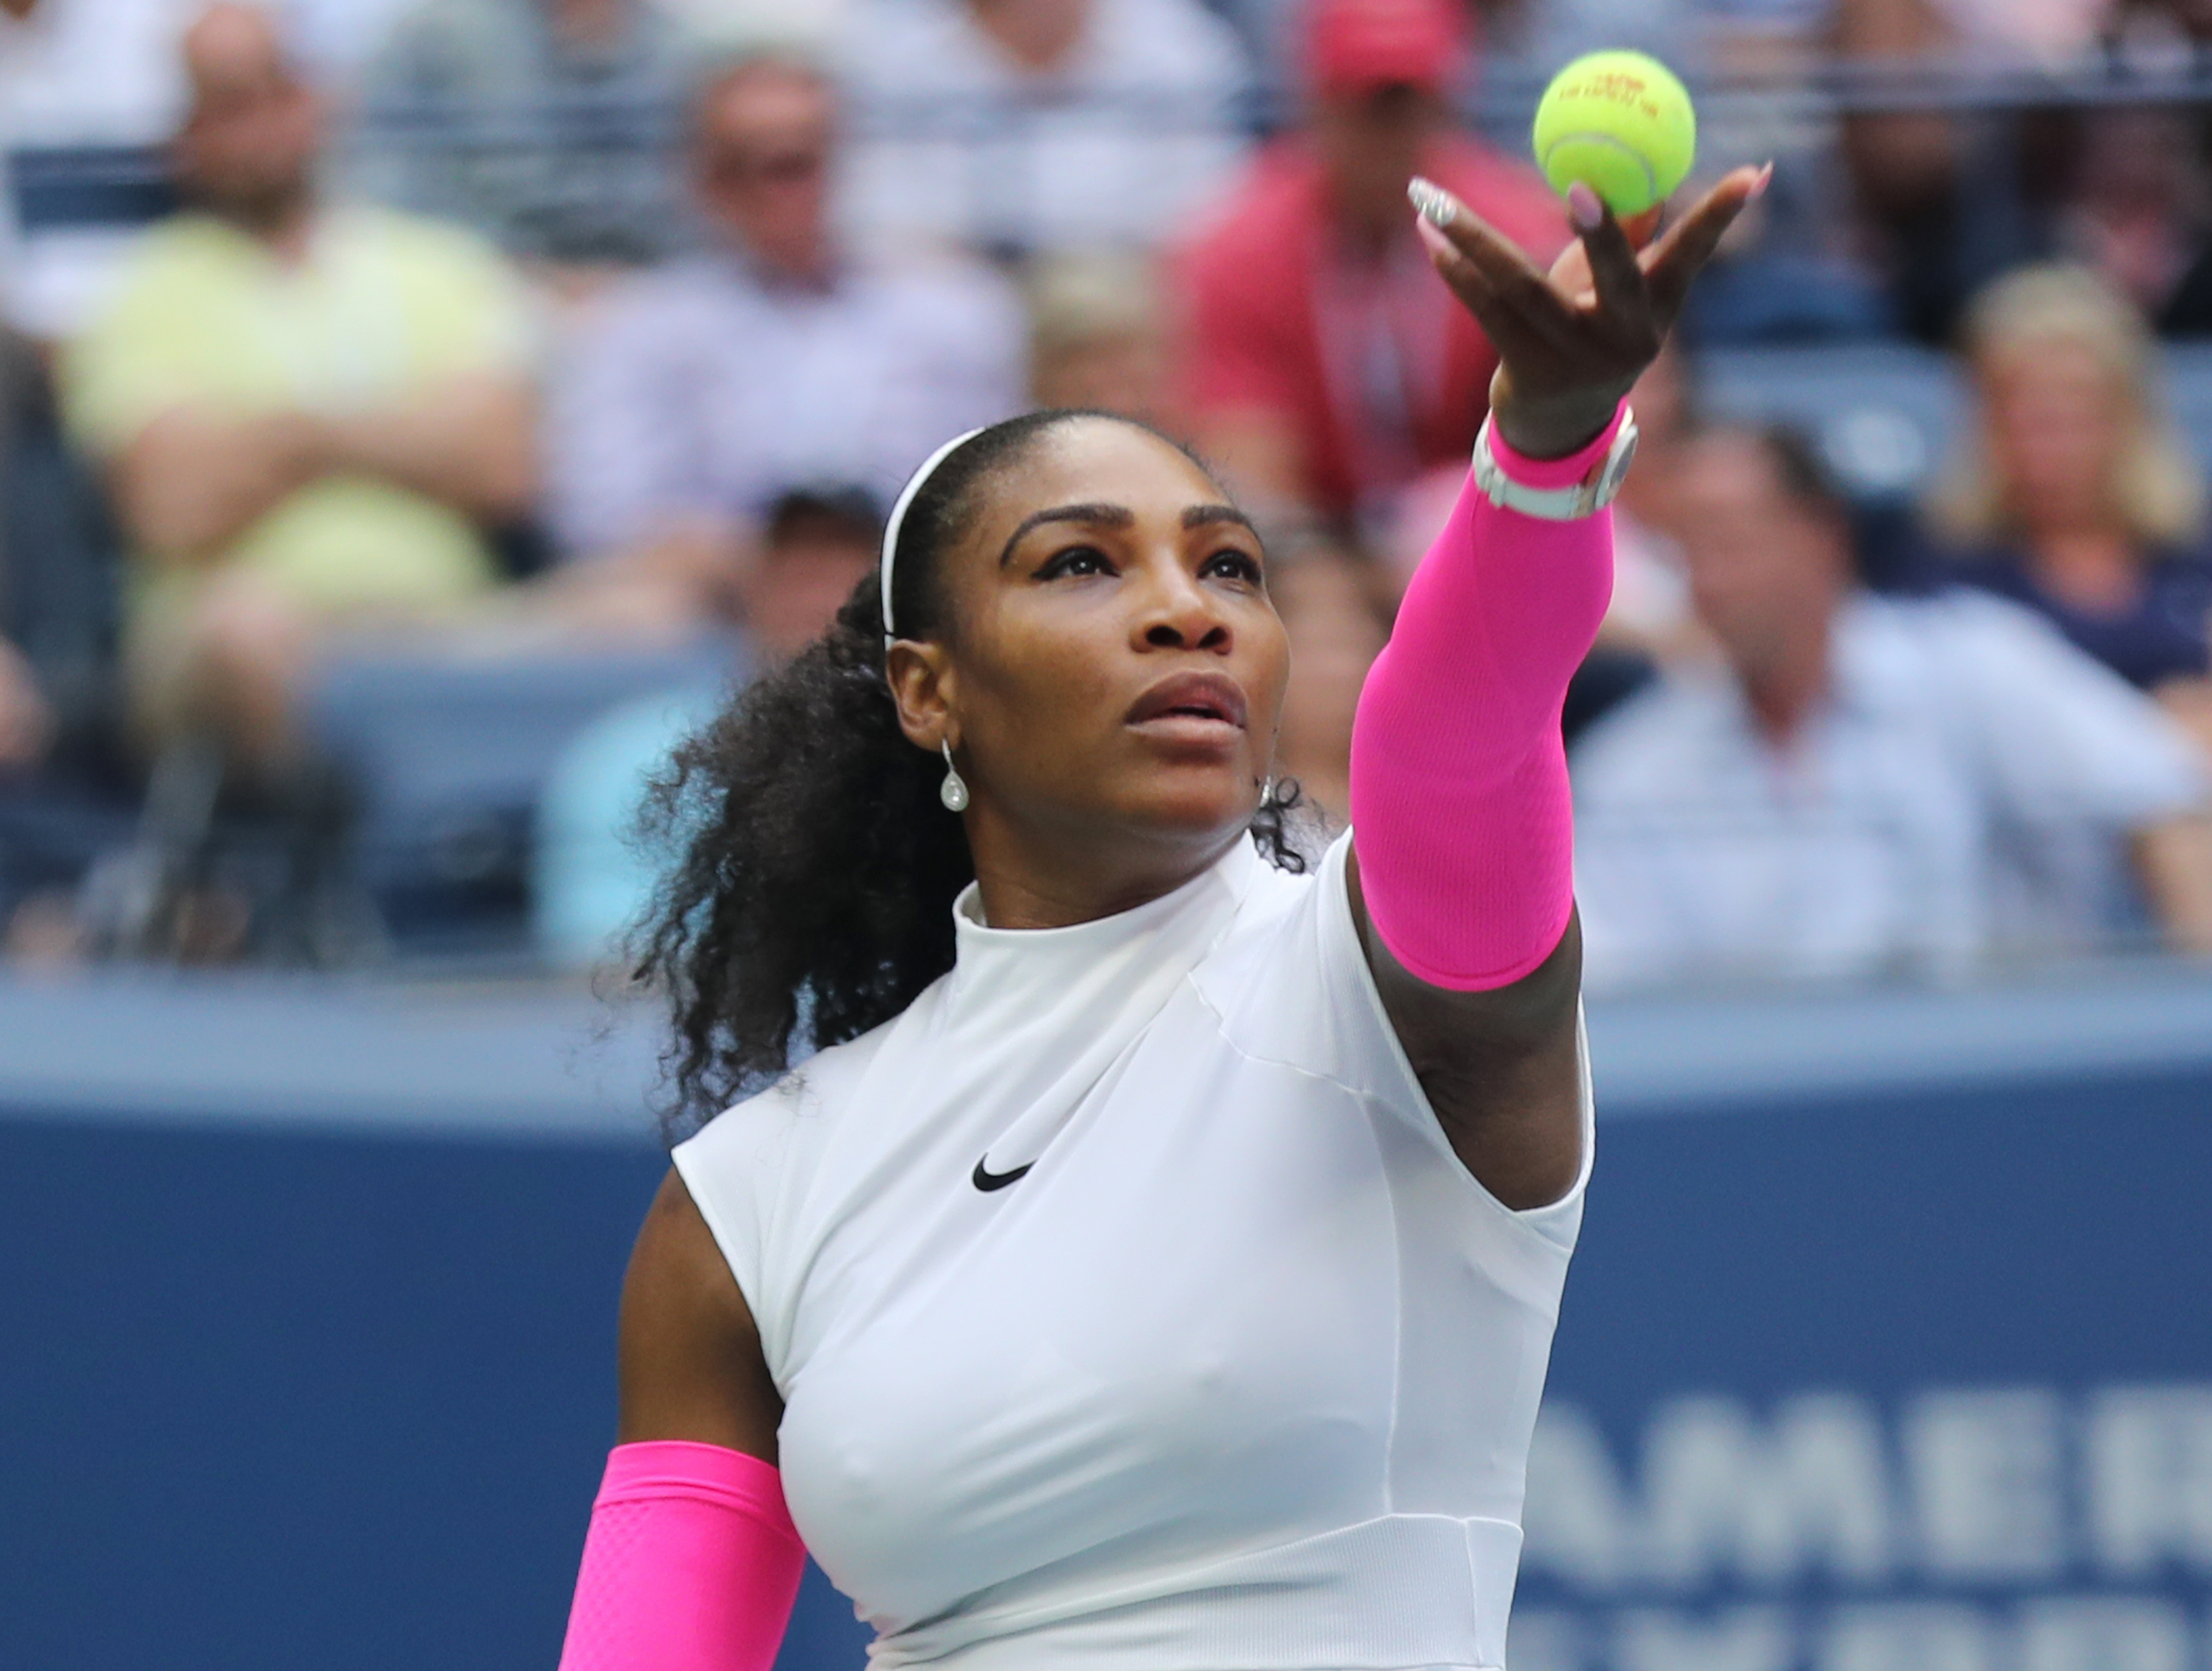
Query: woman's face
x=2056 y=418
x=1114 y=671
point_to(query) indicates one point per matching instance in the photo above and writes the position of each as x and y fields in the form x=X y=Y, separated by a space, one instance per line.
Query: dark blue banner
x=1888 y=1346
x=1913 y=1383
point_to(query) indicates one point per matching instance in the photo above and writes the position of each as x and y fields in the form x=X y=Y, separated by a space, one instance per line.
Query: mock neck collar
x=1029 y=966
x=1030 y=1020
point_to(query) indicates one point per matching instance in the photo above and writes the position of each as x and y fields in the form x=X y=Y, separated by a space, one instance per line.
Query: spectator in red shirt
x=1313 y=320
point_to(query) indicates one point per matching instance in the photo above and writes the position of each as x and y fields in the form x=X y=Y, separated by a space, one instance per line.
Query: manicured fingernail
x=1584 y=209
x=1758 y=186
x=1433 y=240
x=1432 y=201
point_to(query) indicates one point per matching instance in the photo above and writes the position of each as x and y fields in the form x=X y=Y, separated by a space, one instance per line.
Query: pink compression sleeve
x=1460 y=808
x=692 y=1564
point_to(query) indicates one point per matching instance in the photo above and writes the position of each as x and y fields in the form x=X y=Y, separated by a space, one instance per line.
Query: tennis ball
x=1621 y=122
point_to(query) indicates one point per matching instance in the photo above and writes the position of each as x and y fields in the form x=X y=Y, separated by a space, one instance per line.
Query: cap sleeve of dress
x=748 y=1171
x=1292 y=985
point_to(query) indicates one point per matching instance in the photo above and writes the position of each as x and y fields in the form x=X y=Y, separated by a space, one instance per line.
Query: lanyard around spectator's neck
x=1382 y=326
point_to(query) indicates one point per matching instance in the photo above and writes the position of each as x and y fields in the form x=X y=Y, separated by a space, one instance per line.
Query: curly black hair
x=813 y=901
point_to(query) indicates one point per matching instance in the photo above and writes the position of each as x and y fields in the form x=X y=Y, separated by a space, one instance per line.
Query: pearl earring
x=953 y=791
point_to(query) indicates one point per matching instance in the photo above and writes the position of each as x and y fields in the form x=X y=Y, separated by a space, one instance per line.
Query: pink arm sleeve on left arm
x=1460 y=813
x=692 y=1564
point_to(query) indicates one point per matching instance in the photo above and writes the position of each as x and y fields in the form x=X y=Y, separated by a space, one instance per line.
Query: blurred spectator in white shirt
x=1019 y=125
x=541 y=124
x=697 y=391
x=1869 y=785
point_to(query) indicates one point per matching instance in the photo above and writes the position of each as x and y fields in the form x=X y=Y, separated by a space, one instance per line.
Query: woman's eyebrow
x=1094 y=515
x=1200 y=516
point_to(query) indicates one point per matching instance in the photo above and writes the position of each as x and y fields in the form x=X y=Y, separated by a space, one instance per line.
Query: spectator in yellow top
x=308 y=414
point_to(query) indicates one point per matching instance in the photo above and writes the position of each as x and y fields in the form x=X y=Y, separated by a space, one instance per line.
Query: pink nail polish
x=1433 y=240
x=1583 y=210
x=1758 y=186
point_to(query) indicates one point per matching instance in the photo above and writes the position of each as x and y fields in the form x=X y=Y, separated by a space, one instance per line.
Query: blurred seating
x=56 y=187
x=486 y=112
x=595 y=869
x=1954 y=192
x=1868 y=229
x=59 y=579
x=1881 y=413
x=981 y=124
x=446 y=758
x=1884 y=414
x=544 y=125
x=88 y=90
x=63 y=797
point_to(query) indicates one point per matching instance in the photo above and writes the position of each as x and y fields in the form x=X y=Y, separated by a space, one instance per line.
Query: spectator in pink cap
x=1326 y=368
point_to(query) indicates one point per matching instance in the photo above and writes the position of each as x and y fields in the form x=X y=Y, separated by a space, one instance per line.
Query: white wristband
x=1557 y=505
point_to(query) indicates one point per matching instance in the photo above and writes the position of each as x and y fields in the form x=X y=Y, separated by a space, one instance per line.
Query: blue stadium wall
x=1888 y=1347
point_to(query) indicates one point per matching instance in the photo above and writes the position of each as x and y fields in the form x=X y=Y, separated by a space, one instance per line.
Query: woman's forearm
x=1460 y=804
x=692 y=1564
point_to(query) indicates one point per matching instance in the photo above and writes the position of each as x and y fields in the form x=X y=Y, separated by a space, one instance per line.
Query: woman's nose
x=1180 y=614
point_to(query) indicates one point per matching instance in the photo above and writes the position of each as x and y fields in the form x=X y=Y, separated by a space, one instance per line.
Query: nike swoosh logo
x=986 y=1180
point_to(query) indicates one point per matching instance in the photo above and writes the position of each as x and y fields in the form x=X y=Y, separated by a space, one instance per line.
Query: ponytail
x=816 y=884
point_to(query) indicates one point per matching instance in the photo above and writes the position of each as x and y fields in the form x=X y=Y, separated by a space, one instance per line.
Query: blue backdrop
x=1905 y=1382
x=1913 y=1376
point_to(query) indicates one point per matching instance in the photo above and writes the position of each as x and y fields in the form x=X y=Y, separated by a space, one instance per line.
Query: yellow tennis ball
x=1621 y=122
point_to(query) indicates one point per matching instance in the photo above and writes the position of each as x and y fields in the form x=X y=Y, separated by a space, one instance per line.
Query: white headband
x=914 y=485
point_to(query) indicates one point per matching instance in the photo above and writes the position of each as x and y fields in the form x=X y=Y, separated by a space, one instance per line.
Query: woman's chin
x=1197 y=803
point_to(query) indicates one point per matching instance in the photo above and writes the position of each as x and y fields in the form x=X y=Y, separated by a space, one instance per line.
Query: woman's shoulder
x=1289 y=984
x=773 y=1140
x=808 y=1098
x=745 y=1166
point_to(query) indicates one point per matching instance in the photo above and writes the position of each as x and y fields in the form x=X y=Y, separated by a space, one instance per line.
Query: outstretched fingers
x=1506 y=290
x=1615 y=274
x=1597 y=319
x=1671 y=264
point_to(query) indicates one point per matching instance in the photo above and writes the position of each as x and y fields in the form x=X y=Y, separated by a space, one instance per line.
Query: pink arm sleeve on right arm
x=1461 y=813
x=692 y=1564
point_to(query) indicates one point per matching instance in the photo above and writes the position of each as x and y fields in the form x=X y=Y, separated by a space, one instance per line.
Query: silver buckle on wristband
x=1557 y=505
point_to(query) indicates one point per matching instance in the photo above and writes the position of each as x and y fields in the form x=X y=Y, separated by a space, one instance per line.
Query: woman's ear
x=921 y=680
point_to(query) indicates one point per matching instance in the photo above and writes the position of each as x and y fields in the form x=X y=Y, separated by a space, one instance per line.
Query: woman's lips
x=1194 y=700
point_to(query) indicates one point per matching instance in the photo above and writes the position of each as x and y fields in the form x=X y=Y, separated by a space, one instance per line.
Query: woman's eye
x=1234 y=565
x=1075 y=560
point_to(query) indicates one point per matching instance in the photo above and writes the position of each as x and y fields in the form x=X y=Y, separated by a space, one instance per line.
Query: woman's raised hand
x=1569 y=343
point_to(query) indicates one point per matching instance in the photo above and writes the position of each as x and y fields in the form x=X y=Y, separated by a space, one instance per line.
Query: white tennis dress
x=1238 y=1375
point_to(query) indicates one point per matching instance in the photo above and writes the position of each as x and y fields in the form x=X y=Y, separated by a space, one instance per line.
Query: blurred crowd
x=468 y=392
